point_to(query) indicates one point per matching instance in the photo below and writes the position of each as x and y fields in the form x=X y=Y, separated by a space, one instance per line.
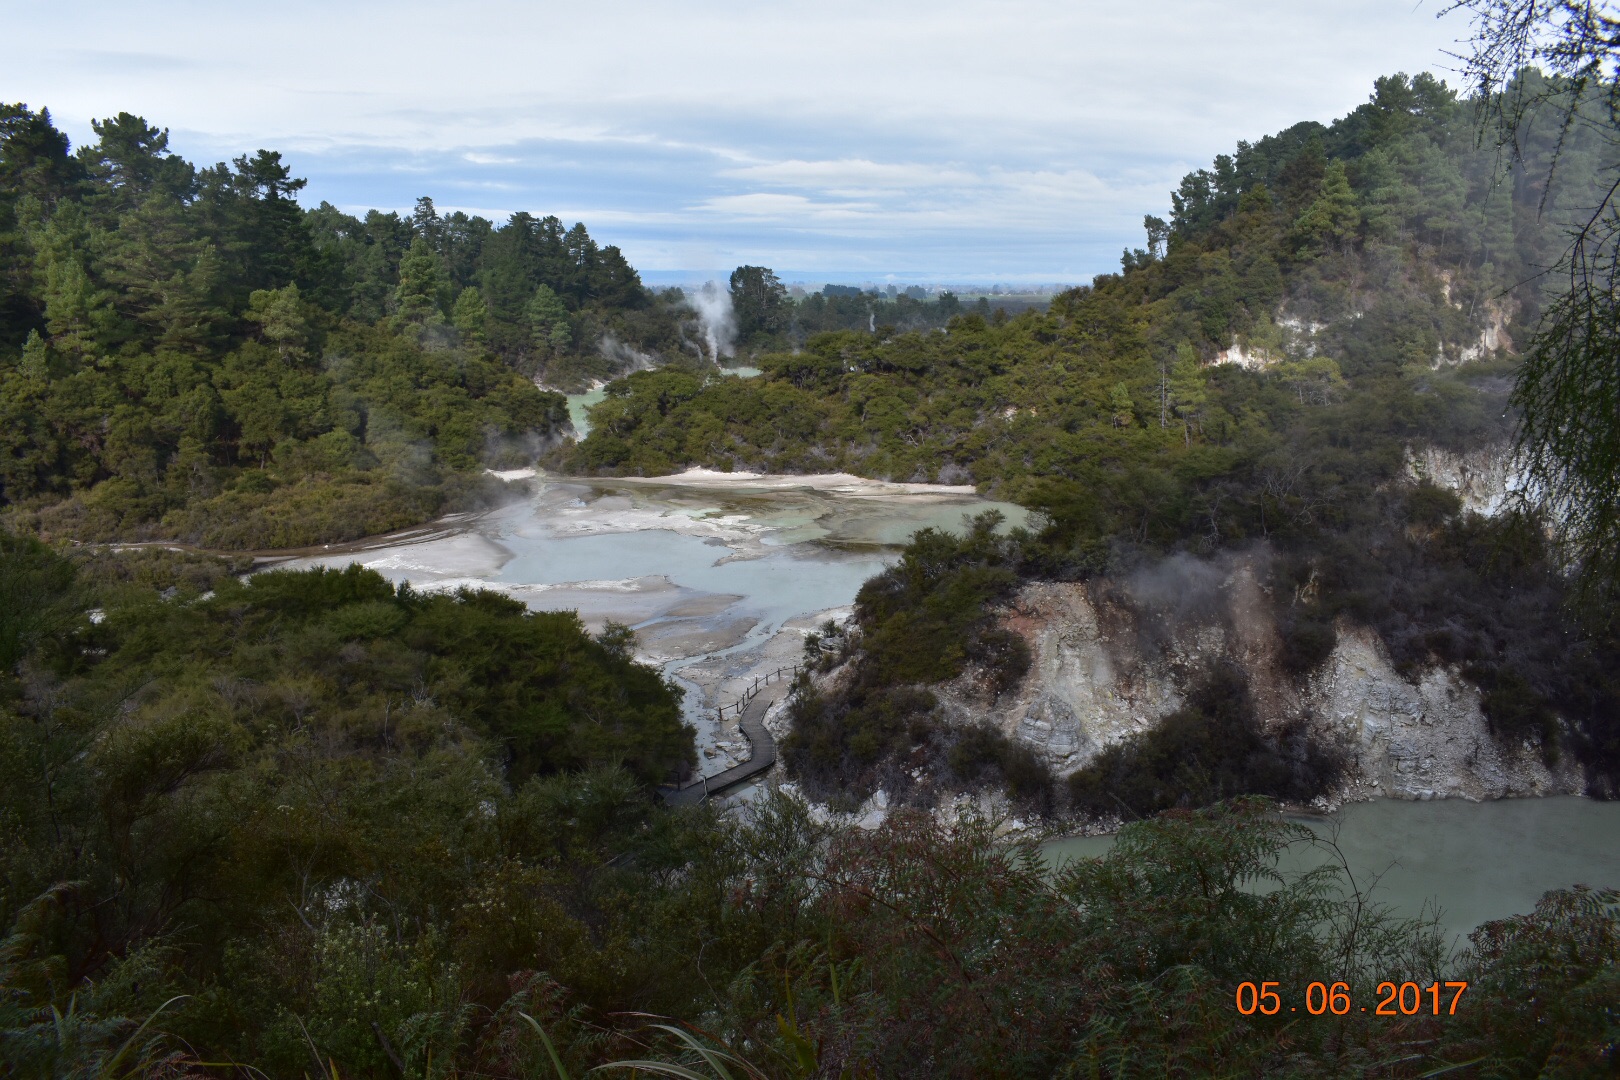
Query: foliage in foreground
x=803 y=950
x=321 y=826
x=1567 y=389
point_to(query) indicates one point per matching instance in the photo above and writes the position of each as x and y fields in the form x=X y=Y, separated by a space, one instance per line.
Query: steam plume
x=627 y=357
x=716 y=319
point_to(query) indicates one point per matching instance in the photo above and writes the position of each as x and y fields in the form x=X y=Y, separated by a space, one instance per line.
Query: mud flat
x=721 y=575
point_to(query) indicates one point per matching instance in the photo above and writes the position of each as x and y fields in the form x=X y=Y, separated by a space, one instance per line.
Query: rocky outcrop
x=1291 y=336
x=1493 y=337
x=1252 y=357
x=1114 y=658
x=1487 y=480
x=1420 y=740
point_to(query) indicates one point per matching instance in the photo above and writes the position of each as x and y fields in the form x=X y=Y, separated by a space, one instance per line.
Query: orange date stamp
x=1403 y=999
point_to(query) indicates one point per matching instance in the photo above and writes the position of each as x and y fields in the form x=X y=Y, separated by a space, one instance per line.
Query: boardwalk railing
x=762 y=748
x=739 y=706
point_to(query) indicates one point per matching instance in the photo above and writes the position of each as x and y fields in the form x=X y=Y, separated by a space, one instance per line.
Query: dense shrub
x=1212 y=748
x=930 y=618
x=932 y=614
x=1565 y=958
x=979 y=753
x=1307 y=643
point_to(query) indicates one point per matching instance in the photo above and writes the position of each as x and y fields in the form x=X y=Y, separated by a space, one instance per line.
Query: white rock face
x=1494 y=338
x=1487 y=480
x=1106 y=662
x=1299 y=335
x=1090 y=684
x=1423 y=741
x=1243 y=357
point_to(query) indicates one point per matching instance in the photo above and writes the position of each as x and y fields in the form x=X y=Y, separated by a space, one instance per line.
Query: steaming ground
x=720 y=574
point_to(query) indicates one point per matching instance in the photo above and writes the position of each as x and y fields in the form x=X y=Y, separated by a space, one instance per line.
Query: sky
x=1016 y=141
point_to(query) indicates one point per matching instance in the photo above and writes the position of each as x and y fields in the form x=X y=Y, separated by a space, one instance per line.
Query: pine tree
x=78 y=313
x=131 y=160
x=425 y=222
x=272 y=241
x=421 y=282
x=35 y=365
x=190 y=314
x=73 y=306
x=760 y=301
x=1121 y=405
x=281 y=319
x=1332 y=220
x=548 y=317
x=32 y=456
x=1187 y=388
x=470 y=315
x=580 y=259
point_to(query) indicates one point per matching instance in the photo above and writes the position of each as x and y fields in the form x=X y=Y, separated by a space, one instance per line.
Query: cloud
x=943 y=133
x=780 y=207
x=854 y=175
x=113 y=60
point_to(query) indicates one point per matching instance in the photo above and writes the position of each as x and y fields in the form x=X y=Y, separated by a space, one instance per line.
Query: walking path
x=761 y=746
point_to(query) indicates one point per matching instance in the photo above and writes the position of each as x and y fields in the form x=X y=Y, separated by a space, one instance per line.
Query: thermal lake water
x=721 y=576
x=579 y=406
x=1473 y=861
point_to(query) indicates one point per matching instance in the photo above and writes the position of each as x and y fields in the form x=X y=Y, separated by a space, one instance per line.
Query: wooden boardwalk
x=761 y=747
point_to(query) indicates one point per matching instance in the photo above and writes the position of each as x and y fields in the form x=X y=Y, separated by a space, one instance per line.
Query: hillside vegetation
x=1320 y=305
x=1355 y=265
x=313 y=824
x=187 y=353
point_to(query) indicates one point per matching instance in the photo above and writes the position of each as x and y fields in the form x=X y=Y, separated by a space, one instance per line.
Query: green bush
x=1211 y=749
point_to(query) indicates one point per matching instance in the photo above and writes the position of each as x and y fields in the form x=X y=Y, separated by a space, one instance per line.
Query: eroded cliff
x=1113 y=658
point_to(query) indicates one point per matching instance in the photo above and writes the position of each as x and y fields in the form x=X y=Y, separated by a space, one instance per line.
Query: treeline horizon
x=188 y=354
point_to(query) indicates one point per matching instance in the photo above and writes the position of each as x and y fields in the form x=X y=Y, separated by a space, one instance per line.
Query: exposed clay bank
x=1113 y=658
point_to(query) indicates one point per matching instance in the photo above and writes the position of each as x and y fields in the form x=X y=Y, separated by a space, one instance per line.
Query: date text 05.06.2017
x=1394 y=999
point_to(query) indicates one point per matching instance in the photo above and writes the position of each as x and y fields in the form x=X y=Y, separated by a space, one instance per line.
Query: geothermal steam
x=626 y=357
x=716 y=320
